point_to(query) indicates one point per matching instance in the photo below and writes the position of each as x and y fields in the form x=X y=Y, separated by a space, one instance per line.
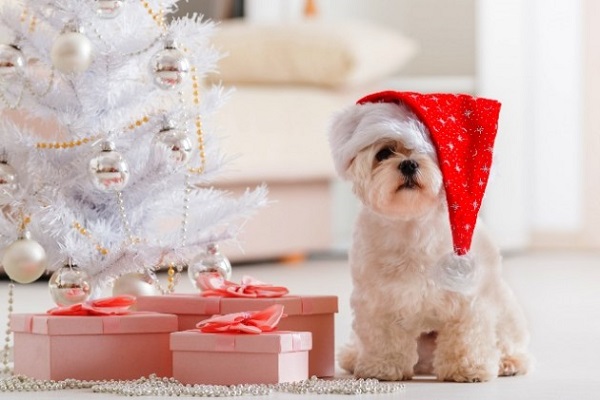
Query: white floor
x=560 y=293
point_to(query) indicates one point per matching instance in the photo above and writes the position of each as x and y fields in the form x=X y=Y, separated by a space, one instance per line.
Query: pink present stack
x=314 y=314
x=92 y=347
x=193 y=338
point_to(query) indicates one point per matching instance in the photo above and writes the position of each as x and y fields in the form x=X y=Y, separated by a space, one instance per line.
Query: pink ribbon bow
x=250 y=287
x=118 y=305
x=245 y=322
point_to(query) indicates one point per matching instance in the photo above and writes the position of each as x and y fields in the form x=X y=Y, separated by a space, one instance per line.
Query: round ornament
x=69 y=285
x=176 y=141
x=108 y=9
x=108 y=170
x=24 y=260
x=72 y=51
x=136 y=284
x=12 y=62
x=8 y=182
x=209 y=265
x=169 y=66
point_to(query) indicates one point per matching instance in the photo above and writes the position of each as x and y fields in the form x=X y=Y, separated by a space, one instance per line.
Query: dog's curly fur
x=401 y=233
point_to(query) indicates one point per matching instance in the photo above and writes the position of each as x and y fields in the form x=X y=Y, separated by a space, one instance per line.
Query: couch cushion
x=312 y=52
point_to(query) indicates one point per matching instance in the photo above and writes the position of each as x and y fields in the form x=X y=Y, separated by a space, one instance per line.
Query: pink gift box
x=92 y=347
x=314 y=314
x=232 y=359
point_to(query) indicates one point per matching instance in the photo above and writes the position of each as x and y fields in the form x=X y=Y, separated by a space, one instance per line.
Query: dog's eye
x=384 y=154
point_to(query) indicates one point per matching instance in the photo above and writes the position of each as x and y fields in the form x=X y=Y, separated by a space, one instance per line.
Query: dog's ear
x=341 y=131
x=343 y=124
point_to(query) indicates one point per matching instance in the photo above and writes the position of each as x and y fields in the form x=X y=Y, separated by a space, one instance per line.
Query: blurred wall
x=449 y=49
x=591 y=123
x=444 y=29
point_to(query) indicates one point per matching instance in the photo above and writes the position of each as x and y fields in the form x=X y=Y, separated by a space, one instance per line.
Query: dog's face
x=395 y=181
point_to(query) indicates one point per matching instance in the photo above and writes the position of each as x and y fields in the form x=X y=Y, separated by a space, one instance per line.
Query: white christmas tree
x=119 y=179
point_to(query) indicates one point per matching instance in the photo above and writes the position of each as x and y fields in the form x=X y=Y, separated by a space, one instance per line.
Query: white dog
x=401 y=235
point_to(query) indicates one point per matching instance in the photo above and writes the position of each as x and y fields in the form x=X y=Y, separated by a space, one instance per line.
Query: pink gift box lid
x=137 y=322
x=268 y=342
x=197 y=305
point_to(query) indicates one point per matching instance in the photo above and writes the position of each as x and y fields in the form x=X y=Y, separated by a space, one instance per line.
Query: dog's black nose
x=408 y=167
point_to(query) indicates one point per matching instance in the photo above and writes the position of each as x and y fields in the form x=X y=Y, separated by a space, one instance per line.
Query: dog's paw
x=516 y=364
x=466 y=372
x=384 y=370
x=347 y=358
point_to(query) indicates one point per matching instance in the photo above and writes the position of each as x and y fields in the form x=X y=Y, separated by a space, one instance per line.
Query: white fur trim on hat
x=360 y=125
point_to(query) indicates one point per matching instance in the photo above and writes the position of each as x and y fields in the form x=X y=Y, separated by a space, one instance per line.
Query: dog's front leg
x=385 y=349
x=466 y=349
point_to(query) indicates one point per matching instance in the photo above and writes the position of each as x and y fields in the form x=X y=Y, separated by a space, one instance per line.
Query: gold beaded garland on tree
x=84 y=232
x=79 y=142
x=158 y=17
x=198 y=124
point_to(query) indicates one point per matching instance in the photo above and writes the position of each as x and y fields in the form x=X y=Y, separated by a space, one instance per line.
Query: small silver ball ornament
x=169 y=66
x=209 y=265
x=12 y=62
x=176 y=141
x=136 y=284
x=108 y=170
x=8 y=182
x=108 y=9
x=24 y=260
x=69 y=285
x=71 y=52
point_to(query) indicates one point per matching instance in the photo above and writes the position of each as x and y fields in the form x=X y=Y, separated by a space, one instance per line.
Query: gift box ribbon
x=118 y=305
x=215 y=286
x=245 y=322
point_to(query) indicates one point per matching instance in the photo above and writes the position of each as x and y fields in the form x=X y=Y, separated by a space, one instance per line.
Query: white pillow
x=311 y=52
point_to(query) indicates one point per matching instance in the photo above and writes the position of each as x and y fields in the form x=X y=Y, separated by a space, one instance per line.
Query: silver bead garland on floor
x=155 y=386
x=348 y=386
x=6 y=350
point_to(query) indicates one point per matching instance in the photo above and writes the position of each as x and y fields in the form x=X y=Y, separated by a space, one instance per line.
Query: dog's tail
x=347 y=357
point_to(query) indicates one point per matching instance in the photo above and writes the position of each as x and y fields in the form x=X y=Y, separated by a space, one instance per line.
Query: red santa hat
x=462 y=130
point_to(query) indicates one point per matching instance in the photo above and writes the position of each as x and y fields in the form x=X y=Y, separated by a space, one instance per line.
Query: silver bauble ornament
x=108 y=8
x=169 y=66
x=24 y=260
x=8 y=182
x=108 y=170
x=72 y=51
x=12 y=62
x=136 y=284
x=209 y=265
x=176 y=141
x=69 y=285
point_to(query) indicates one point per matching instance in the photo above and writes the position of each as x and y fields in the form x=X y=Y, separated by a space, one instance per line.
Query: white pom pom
x=456 y=273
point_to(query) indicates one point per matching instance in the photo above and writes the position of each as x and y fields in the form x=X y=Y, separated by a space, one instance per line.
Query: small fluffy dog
x=402 y=233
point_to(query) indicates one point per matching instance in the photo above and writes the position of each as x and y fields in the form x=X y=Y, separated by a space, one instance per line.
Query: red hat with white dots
x=462 y=129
